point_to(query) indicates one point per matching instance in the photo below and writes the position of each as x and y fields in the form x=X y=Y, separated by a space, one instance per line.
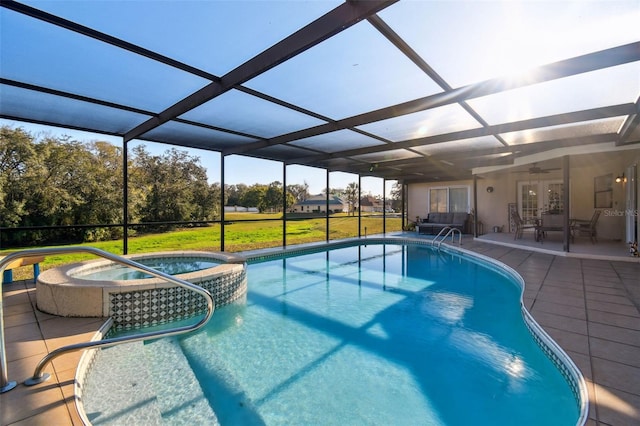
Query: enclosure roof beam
x=335 y=21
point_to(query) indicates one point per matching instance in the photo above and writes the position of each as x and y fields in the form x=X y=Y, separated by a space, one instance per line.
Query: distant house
x=318 y=203
x=371 y=204
x=241 y=209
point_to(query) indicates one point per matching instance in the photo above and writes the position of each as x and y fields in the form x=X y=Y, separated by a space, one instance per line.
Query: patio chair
x=520 y=225
x=586 y=227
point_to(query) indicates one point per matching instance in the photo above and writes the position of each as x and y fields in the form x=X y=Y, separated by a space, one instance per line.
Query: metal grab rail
x=38 y=375
x=450 y=231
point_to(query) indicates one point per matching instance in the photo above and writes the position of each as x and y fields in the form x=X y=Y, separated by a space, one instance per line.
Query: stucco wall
x=493 y=207
x=418 y=194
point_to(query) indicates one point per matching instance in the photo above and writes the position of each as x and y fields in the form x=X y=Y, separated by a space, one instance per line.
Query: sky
x=238 y=169
x=346 y=75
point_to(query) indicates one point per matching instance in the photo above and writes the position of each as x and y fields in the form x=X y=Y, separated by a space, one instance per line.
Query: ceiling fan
x=535 y=170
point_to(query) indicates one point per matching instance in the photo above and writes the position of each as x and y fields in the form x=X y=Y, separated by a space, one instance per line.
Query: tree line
x=56 y=181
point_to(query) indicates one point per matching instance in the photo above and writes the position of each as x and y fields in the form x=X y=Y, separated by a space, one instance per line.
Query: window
x=438 y=200
x=534 y=198
x=449 y=199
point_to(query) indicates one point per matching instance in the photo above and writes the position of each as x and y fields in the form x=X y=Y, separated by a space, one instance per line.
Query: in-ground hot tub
x=100 y=288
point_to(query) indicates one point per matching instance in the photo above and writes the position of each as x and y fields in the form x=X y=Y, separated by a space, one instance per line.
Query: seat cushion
x=459 y=218
x=433 y=217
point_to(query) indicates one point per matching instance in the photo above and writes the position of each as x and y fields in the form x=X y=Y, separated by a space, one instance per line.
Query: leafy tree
x=235 y=193
x=255 y=196
x=99 y=186
x=273 y=197
x=299 y=192
x=351 y=195
x=175 y=187
x=396 y=196
x=16 y=154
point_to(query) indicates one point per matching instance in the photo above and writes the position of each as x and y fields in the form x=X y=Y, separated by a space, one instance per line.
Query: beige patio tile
x=59 y=412
x=570 y=285
x=42 y=316
x=22 y=332
x=613 y=291
x=15 y=297
x=605 y=272
x=22 y=403
x=58 y=326
x=614 y=308
x=577 y=302
x=609 y=318
x=559 y=309
x=614 y=351
x=23 y=368
x=600 y=297
x=24 y=349
x=615 y=334
x=68 y=361
x=560 y=322
x=23 y=318
x=554 y=291
x=616 y=407
x=559 y=275
x=616 y=375
x=569 y=341
x=18 y=308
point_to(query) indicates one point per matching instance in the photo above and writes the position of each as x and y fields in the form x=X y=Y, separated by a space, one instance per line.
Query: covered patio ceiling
x=413 y=91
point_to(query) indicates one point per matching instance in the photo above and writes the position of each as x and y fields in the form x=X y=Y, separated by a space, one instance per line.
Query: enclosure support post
x=359 y=205
x=384 y=206
x=475 y=206
x=284 y=204
x=327 y=212
x=222 y=202
x=565 y=200
x=125 y=198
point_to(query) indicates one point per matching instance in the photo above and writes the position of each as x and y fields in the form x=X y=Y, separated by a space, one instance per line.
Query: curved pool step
x=180 y=399
x=156 y=386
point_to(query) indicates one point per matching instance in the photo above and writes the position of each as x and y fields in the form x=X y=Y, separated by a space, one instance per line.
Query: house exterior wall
x=492 y=207
x=418 y=195
x=319 y=207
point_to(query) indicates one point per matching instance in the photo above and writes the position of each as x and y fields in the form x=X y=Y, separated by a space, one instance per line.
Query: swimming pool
x=375 y=334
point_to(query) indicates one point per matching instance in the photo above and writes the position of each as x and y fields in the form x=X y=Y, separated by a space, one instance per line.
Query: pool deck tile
x=590 y=307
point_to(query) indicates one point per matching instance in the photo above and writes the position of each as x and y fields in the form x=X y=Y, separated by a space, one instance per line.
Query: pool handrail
x=38 y=375
x=450 y=231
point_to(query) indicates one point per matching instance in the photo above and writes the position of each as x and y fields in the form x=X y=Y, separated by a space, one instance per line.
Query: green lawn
x=252 y=233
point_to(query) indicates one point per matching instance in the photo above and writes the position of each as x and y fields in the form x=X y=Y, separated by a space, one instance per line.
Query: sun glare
x=528 y=38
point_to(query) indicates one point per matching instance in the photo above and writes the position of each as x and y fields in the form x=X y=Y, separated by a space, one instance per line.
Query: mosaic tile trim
x=330 y=246
x=85 y=366
x=144 y=308
x=561 y=361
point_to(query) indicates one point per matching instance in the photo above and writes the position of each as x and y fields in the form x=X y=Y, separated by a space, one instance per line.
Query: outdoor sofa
x=435 y=222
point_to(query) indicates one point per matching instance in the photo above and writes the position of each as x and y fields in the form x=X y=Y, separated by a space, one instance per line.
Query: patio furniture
x=435 y=222
x=7 y=276
x=519 y=224
x=549 y=222
x=586 y=227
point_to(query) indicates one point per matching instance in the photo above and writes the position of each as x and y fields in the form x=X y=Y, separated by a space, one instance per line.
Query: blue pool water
x=378 y=334
x=168 y=265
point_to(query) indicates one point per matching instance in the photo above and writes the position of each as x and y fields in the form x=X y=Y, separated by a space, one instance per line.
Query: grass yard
x=243 y=231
